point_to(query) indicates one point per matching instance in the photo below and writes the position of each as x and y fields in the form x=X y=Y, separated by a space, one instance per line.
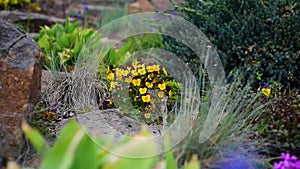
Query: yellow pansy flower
x=143 y=90
x=149 y=85
x=142 y=71
x=112 y=85
x=162 y=86
x=170 y=93
x=125 y=72
x=136 y=82
x=128 y=79
x=147 y=115
x=119 y=74
x=146 y=98
x=156 y=67
x=161 y=94
x=150 y=69
x=110 y=76
x=266 y=91
x=134 y=73
x=141 y=66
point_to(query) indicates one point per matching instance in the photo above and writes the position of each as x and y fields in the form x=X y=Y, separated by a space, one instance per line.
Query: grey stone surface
x=107 y=122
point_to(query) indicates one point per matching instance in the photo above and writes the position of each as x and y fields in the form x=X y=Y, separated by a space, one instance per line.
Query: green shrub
x=280 y=124
x=61 y=44
x=261 y=36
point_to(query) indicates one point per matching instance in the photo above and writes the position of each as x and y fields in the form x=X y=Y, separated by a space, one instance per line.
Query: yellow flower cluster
x=13 y=2
x=142 y=83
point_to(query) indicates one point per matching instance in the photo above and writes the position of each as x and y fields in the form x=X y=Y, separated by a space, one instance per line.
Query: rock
x=33 y=21
x=106 y=122
x=162 y=5
x=141 y=6
x=20 y=84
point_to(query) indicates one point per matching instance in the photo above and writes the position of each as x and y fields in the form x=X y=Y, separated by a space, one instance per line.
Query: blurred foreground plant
x=74 y=149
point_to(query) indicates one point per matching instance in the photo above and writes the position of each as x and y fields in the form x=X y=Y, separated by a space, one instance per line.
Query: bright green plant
x=150 y=88
x=75 y=149
x=61 y=44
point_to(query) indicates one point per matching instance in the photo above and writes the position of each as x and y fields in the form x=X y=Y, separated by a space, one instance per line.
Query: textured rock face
x=20 y=83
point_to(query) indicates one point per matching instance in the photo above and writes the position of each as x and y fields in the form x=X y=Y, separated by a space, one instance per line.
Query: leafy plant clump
x=151 y=90
x=61 y=44
x=261 y=36
x=280 y=124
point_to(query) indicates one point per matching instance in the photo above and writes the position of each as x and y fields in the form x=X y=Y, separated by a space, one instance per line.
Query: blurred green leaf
x=36 y=139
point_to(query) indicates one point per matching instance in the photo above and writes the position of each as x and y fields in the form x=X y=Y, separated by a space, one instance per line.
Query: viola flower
x=136 y=82
x=150 y=69
x=146 y=98
x=170 y=93
x=128 y=79
x=86 y=6
x=149 y=85
x=161 y=94
x=142 y=71
x=110 y=76
x=119 y=74
x=143 y=90
x=162 y=86
x=112 y=85
x=134 y=73
x=265 y=89
x=156 y=68
x=147 y=115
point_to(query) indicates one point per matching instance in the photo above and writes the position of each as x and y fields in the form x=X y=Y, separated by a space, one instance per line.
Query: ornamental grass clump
x=152 y=91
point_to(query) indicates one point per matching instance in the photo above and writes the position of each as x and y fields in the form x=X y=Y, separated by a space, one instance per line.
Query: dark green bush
x=262 y=36
x=280 y=124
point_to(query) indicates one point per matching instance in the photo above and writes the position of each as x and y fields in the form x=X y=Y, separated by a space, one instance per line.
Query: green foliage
x=259 y=35
x=74 y=149
x=61 y=44
x=280 y=124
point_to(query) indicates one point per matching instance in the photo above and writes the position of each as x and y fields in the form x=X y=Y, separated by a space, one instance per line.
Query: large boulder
x=20 y=84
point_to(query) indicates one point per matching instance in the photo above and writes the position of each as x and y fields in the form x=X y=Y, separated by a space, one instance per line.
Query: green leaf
x=43 y=42
x=140 y=153
x=62 y=155
x=35 y=138
x=86 y=155
x=170 y=159
x=63 y=41
x=193 y=164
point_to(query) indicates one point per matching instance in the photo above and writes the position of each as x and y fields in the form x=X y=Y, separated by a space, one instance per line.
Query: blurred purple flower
x=86 y=6
x=287 y=162
x=78 y=15
x=0 y=87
